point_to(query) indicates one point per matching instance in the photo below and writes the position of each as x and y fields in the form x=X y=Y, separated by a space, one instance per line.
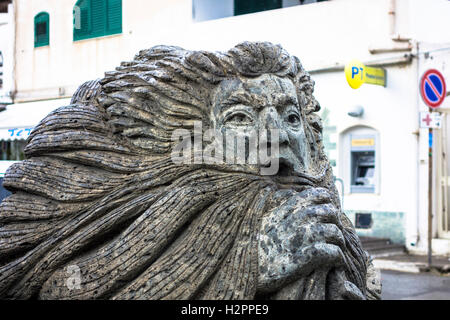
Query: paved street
x=414 y=286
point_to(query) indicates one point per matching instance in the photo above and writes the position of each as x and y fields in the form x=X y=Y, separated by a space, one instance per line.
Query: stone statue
x=102 y=209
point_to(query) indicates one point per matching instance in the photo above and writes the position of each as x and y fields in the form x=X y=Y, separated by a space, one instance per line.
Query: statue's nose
x=271 y=120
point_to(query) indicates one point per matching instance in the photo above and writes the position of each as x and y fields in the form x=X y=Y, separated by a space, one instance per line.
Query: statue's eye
x=238 y=119
x=293 y=119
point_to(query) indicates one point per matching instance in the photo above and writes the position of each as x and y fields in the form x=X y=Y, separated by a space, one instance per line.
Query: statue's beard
x=164 y=233
x=170 y=232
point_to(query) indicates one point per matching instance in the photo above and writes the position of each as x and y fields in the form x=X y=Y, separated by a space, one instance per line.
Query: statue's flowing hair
x=99 y=199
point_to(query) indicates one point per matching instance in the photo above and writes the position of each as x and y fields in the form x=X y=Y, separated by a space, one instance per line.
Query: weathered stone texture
x=100 y=211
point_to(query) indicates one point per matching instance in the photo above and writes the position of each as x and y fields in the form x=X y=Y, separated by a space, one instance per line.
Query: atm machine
x=363 y=164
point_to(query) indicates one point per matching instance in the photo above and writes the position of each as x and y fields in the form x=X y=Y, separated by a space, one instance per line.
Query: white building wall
x=392 y=114
x=320 y=34
x=148 y=23
x=7 y=47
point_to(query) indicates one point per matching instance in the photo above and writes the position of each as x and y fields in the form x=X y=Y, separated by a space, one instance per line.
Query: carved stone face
x=247 y=105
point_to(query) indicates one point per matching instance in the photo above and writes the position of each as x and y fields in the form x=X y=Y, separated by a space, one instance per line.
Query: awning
x=18 y=120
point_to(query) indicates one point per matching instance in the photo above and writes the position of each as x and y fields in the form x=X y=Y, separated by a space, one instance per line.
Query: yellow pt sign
x=354 y=72
x=357 y=74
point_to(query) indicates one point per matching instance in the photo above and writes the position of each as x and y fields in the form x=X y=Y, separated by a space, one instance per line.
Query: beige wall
x=65 y=63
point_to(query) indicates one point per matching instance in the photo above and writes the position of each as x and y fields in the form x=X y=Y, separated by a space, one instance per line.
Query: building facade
x=6 y=51
x=379 y=152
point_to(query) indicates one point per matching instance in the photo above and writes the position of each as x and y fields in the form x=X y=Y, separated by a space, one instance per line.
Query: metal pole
x=342 y=190
x=430 y=191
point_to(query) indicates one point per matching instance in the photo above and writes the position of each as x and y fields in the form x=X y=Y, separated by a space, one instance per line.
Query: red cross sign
x=430 y=119
x=427 y=120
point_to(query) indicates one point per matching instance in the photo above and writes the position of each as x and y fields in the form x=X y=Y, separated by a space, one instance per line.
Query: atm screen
x=363 y=168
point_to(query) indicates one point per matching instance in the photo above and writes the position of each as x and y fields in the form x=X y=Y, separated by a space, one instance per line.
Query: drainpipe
x=398 y=44
x=13 y=76
x=415 y=237
x=391 y=16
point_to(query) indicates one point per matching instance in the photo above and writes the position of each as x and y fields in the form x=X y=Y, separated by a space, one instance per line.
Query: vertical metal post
x=342 y=190
x=430 y=192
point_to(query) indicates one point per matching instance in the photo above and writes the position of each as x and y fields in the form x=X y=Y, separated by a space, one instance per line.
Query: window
x=4 y=6
x=203 y=10
x=251 y=6
x=96 y=18
x=310 y=1
x=41 y=30
x=363 y=220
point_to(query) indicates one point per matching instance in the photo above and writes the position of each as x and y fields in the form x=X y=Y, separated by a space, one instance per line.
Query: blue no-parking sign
x=432 y=88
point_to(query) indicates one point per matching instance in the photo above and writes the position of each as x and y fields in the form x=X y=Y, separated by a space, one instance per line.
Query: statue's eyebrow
x=257 y=101
x=281 y=100
x=242 y=97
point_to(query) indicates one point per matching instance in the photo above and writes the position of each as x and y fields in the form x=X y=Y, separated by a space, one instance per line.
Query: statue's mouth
x=287 y=175
x=286 y=168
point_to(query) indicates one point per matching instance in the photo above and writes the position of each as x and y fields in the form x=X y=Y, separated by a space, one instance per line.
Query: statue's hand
x=298 y=237
x=339 y=288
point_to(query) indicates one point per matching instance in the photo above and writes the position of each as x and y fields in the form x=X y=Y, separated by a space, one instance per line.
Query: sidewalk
x=413 y=263
x=414 y=286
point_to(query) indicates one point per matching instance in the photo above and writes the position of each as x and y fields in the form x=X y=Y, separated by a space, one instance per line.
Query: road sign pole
x=430 y=193
x=433 y=92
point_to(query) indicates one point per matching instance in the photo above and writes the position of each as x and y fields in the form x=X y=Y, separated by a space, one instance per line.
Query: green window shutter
x=98 y=18
x=114 y=16
x=82 y=20
x=251 y=6
x=41 y=29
